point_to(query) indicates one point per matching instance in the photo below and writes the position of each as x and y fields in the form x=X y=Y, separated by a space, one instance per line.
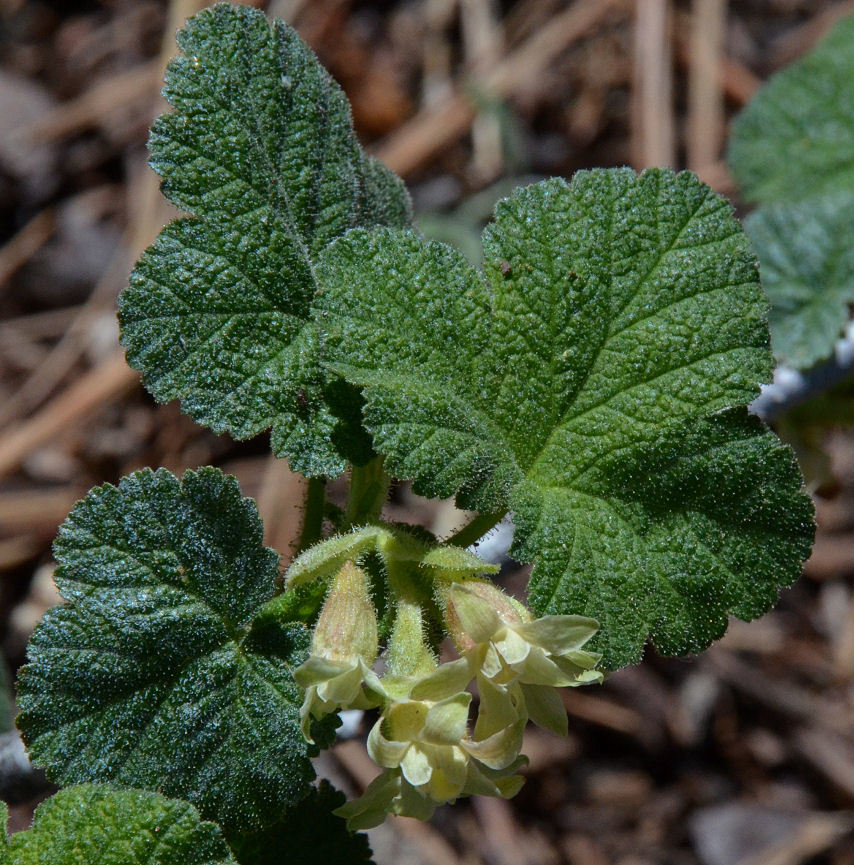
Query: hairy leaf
x=796 y=136
x=261 y=151
x=99 y=823
x=310 y=834
x=620 y=328
x=806 y=252
x=152 y=675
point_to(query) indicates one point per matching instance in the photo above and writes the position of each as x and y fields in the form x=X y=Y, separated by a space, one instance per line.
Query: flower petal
x=580 y=675
x=491 y=664
x=448 y=679
x=311 y=708
x=587 y=660
x=412 y=803
x=546 y=708
x=558 y=634
x=373 y=683
x=501 y=749
x=538 y=669
x=383 y=751
x=483 y=781
x=512 y=647
x=447 y=720
x=416 y=766
x=371 y=808
x=500 y=706
x=316 y=669
x=450 y=767
x=405 y=719
x=510 y=785
x=478 y=783
x=343 y=688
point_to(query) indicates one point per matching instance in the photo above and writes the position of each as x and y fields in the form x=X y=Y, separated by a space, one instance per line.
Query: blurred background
x=744 y=756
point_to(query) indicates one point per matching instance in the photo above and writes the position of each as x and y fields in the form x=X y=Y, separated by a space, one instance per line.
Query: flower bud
x=476 y=609
x=343 y=648
x=408 y=652
x=347 y=626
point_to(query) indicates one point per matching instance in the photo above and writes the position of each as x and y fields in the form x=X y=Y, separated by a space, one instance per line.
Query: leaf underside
x=110 y=826
x=596 y=384
x=152 y=675
x=795 y=138
x=806 y=253
x=260 y=149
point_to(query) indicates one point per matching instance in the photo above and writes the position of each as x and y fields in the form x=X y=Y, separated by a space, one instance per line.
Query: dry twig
x=705 y=100
x=653 y=141
x=18 y=250
x=81 y=400
x=435 y=128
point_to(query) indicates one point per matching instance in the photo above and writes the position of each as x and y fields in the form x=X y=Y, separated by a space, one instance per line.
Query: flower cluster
x=423 y=740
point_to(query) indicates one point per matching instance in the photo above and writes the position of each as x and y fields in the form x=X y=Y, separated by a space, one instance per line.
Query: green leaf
x=793 y=152
x=796 y=136
x=806 y=253
x=110 y=826
x=261 y=151
x=310 y=834
x=620 y=321
x=152 y=675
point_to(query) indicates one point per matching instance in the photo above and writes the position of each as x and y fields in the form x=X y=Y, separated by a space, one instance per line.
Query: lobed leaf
x=795 y=138
x=611 y=351
x=260 y=149
x=104 y=824
x=153 y=675
x=806 y=253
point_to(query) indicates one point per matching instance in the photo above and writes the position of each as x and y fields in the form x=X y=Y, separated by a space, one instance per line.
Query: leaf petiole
x=314 y=509
x=369 y=485
x=473 y=531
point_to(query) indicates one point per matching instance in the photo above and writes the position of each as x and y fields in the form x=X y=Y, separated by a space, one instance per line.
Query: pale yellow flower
x=422 y=741
x=334 y=685
x=517 y=656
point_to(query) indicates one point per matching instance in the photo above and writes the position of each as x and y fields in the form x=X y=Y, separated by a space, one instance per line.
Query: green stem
x=368 y=493
x=313 y=509
x=472 y=532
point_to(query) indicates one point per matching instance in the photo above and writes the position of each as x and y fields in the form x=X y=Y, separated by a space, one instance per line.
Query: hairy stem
x=368 y=493
x=472 y=532
x=313 y=510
